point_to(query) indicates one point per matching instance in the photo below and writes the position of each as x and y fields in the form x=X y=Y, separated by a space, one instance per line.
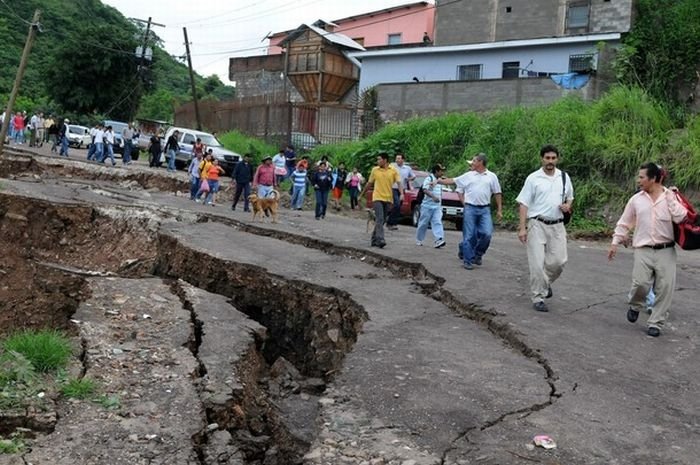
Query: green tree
x=158 y=105
x=662 y=51
x=104 y=79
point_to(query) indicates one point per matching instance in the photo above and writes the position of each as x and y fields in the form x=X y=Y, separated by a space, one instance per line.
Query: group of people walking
x=545 y=206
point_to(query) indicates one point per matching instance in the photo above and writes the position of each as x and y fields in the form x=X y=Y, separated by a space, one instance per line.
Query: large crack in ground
x=70 y=240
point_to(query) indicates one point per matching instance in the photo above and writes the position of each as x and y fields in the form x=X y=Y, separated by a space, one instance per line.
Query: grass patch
x=19 y=382
x=13 y=445
x=79 y=388
x=109 y=402
x=47 y=350
x=602 y=144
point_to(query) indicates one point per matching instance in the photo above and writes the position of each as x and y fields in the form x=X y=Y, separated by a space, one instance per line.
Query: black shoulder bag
x=567 y=215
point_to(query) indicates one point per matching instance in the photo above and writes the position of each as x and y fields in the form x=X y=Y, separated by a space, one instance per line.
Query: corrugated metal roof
x=421 y=50
x=333 y=37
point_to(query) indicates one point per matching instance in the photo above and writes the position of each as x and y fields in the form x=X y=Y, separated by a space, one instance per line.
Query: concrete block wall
x=469 y=22
x=611 y=16
x=398 y=102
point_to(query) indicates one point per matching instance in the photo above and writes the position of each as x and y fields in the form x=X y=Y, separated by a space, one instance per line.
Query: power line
x=185 y=23
x=330 y=33
x=258 y=15
x=9 y=8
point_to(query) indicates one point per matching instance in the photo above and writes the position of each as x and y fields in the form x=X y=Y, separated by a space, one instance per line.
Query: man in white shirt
x=545 y=197
x=33 y=125
x=99 y=144
x=406 y=174
x=109 y=145
x=475 y=188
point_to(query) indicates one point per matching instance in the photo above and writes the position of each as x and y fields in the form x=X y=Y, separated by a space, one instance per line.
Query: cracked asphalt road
x=465 y=371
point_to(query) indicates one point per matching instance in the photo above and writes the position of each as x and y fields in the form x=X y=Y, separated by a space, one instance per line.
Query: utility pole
x=142 y=56
x=194 y=89
x=33 y=27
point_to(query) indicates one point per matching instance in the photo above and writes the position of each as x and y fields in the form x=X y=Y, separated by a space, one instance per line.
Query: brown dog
x=262 y=204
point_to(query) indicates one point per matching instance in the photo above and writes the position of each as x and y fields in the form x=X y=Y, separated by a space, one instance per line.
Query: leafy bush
x=242 y=144
x=47 y=350
x=602 y=144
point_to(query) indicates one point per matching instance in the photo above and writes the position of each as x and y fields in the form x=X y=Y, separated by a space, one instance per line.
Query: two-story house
x=513 y=46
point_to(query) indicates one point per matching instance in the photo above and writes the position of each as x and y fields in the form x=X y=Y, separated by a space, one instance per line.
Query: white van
x=187 y=138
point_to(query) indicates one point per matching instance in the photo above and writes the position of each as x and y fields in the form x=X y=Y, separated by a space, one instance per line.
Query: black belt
x=477 y=206
x=539 y=218
x=665 y=245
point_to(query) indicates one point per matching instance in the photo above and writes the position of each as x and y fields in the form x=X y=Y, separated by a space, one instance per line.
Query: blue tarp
x=571 y=80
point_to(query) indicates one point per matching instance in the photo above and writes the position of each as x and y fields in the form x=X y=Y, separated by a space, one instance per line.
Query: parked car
x=78 y=136
x=187 y=138
x=452 y=208
x=303 y=141
x=118 y=147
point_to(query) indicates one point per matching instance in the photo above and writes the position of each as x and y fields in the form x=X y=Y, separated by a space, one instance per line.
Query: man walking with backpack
x=546 y=195
x=431 y=208
x=651 y=213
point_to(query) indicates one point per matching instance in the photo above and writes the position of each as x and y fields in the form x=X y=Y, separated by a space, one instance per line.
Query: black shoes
x=549 y=293
x=540 y=306
x=632 y=315
x=477 y=261
x=654 y=332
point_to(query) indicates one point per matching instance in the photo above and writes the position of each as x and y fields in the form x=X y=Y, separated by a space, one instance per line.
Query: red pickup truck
x=452 y=208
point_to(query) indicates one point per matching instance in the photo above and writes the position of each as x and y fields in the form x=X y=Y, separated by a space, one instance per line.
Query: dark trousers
x=244 y=189
x=381 y=210
x=321 y=202
x=353 y=197
x=395 y=209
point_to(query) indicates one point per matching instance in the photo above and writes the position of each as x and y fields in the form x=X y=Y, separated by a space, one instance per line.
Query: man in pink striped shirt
x=651 y=213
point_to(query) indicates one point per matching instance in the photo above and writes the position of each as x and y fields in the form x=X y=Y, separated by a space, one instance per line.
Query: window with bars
x=581 y=63
x=469 y=72
x=577 y=16
x=511 y=70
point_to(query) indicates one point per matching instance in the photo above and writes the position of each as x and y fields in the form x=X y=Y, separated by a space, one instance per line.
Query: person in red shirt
x=264 y=180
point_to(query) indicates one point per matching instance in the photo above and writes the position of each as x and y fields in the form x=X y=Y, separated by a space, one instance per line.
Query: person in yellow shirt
x=381 y=180
x=204 y=168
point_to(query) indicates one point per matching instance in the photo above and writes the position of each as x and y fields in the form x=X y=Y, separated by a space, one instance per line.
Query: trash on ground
x=544 y=441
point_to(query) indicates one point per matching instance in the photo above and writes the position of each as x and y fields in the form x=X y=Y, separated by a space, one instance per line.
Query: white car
x=78 y=136
x=186 y=139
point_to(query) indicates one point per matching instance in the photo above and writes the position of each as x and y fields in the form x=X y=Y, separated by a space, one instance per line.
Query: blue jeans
x=64 y=147
x=298 y=197
x=477 y=228
x=321 y=202
x=213 y=189
x=430 y=214
x=171 y=160
x=99 y=152
x=108 y=151
x=395 y=209
x=194 y=187
x=128 y=147
x=91 y=151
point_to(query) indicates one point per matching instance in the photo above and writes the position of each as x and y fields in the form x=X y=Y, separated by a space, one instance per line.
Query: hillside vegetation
x=602 y=144
x=83 y=63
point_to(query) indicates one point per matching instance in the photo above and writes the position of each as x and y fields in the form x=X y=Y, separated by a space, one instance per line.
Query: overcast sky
x=220 y=29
